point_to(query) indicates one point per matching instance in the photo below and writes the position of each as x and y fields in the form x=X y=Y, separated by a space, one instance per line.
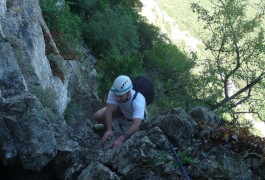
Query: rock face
x=176 y=118
x=23 y=28
x=147 y=154
x=202 y=114
x=26 y=136
x=33 y=99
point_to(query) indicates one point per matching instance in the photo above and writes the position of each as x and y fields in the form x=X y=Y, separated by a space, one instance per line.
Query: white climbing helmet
x=121 y=85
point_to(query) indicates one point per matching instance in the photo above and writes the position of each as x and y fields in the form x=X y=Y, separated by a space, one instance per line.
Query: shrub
x=88 y=8
x=186 y=157
x=115 y=64
x=47 y=98
x=172 y=68
x=113 y=28
x=57 y=66
x=148 y=35
x=64 y=26
x=72 y=112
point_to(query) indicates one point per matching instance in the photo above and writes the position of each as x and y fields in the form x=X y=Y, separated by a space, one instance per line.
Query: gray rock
x=201 y=114
x=30 y=134
x=97 y=171
x=26 y=135
x=176 y=124
x=158 y=138
x=11 y=79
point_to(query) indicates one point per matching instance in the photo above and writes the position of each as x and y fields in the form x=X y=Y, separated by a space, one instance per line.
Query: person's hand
x=118 y=142
x=107 y=136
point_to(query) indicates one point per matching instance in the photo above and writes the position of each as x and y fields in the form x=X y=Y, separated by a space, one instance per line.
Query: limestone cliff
x=33 y=97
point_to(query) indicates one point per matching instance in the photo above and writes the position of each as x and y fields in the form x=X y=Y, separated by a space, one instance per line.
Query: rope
x=176 y=156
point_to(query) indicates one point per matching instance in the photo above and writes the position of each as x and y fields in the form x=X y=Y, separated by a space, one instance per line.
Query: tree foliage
x=113 y=28
x=149 y=35
x=65 y=27
x=87 y=8
x=118 y=36
x=173 y=70
x=116 y=64
x=235 y=74
x=121 y=38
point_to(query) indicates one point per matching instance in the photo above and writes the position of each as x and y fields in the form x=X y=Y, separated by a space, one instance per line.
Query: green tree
x=172 y=69
x=149 y=35
x=65 y=27
x=134 y=4
x=113 y=64
x=113 y=35
x=235 y=74
x=113 y=28
x=87 y=8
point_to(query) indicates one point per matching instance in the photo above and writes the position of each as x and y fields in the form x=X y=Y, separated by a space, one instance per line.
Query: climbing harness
x=179 y=161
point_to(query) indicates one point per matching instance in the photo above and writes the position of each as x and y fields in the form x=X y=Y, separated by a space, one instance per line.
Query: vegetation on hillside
x=236 y=43
x=233 y=58
x=124 y=43
x=65 y=27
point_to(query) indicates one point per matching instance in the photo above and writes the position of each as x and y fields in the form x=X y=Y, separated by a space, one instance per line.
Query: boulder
x=176 y=124
x=26 y=136
x=97 y=170
x=202 y=114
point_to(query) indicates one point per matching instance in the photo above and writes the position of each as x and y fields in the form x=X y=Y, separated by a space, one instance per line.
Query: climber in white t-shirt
x=121 y=103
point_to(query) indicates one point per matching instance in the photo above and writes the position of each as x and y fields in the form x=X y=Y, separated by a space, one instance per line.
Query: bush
x=115 y=64
x=47 y=98
x=113 y=28
x=113 y=35
x=72 y=113
x=148 y=35
x=88 y=8
x=57 y=66
x=172 y=68
x=64 y=26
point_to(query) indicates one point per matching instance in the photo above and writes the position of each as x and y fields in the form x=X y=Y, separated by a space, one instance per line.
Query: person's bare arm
x=126 y=135
x=108 y=122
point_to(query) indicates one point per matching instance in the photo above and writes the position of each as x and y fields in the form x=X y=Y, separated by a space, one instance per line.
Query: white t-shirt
x=132 y=108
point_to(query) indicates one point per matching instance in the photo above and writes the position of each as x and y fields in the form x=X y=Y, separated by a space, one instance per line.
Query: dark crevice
x=17 y=172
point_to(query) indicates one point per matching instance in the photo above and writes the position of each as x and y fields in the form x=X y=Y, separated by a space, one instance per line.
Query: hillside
x=180 y=23
x=176 y=27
